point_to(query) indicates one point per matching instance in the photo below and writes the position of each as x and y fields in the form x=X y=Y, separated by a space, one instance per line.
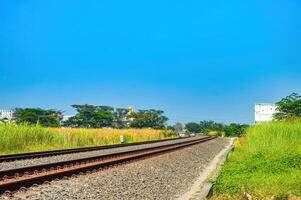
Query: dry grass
x=25 y=138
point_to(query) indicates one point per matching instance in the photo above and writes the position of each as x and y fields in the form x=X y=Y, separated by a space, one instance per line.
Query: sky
x=196 y=60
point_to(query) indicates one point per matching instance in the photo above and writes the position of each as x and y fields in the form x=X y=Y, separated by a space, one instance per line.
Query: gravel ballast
x=58 y=158
x=162 y=177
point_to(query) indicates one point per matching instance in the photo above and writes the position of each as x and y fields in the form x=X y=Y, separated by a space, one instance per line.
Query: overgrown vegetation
x=266 y=163
x=27 y=138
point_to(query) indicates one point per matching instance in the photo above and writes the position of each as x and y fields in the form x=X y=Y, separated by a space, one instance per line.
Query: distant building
x=6 y=115
x=264 y=112
x=66 y=117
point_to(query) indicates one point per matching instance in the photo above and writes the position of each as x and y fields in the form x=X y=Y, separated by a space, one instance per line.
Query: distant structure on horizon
x=66 y=117
x=264 y=112
x=6 y=115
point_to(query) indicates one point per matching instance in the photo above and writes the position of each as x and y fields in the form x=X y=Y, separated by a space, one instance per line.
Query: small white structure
x=264 y=112
x=66 y=117
x=6 y=115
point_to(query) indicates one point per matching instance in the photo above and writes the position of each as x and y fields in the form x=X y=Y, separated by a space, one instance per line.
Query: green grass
x=265 y=163
x=26 y=138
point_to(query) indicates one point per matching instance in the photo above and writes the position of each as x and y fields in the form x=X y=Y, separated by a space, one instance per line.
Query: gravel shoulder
x=44 y=160
x=163 y=177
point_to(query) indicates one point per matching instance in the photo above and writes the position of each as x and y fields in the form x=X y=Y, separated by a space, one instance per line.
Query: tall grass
x=26 y=138
x=265 y=163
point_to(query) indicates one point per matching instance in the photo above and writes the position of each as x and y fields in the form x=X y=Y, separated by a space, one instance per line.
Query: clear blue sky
x=193 y=59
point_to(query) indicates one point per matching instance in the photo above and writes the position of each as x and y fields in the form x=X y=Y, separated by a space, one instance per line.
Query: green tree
x=288 y=108
x=91 y=116
x=51 y=118
x=193 y=127
x=148 y=119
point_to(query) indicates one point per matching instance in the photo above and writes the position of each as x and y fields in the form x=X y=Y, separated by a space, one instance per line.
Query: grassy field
x=265 y=164
x=25 y=138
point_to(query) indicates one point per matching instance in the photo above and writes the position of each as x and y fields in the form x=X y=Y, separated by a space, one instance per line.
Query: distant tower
x=264 y=112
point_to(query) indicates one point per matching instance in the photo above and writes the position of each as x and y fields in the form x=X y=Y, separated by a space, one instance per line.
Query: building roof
x=265 y=104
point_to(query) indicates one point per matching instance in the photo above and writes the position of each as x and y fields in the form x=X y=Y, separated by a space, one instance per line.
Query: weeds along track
x=22 y=156
x=14 y=179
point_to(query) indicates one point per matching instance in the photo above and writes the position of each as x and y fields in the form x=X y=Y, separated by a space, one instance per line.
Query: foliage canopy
x=91 y=116
x=148 y=118
x=49 y=118
x=288 y=108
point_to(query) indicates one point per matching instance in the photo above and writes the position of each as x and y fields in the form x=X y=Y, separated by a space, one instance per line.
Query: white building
x=264 y=112
x=66 y=117
x=6 y=114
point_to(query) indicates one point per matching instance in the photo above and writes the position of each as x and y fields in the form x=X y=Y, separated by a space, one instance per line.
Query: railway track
x=14 y=179
x=22 y=156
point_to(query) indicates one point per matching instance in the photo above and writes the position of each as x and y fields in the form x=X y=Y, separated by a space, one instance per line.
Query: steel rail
x=14 y=179
x=22 y=156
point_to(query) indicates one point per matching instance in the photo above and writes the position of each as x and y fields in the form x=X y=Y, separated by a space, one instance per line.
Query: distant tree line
x=92 y=116
x=206 y=127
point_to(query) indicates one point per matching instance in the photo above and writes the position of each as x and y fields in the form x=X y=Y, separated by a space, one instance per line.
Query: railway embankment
x=165 y=176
